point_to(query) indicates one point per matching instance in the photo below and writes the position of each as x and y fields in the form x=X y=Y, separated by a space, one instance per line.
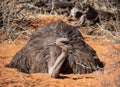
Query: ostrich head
x=62 y=43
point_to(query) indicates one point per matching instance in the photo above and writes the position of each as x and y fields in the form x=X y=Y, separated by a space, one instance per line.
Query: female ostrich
x=38 y=56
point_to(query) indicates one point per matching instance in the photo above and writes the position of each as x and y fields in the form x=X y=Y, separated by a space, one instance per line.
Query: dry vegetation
x=19 y=18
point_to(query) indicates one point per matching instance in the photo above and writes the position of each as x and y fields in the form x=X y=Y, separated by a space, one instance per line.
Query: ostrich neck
x=55 y=69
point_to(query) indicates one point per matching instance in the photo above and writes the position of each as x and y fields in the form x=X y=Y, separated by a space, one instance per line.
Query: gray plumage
x=38 y=56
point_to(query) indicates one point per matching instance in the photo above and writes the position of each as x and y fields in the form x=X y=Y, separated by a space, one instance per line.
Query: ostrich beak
x=52 y=44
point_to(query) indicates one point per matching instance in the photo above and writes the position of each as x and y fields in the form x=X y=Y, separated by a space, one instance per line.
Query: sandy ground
x=107 y=51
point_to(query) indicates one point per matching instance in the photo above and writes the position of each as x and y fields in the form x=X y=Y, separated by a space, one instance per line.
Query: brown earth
x=107 y=51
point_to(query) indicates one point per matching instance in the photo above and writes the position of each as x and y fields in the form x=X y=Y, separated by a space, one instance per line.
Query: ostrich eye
x=66 y=43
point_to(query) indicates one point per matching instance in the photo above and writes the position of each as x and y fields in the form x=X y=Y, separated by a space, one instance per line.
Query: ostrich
x=40 y=55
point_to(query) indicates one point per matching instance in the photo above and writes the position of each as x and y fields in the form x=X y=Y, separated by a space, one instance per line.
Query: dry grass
x=17 y=25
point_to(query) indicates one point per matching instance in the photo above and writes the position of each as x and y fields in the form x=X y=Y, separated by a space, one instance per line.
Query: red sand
x=107 y=53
